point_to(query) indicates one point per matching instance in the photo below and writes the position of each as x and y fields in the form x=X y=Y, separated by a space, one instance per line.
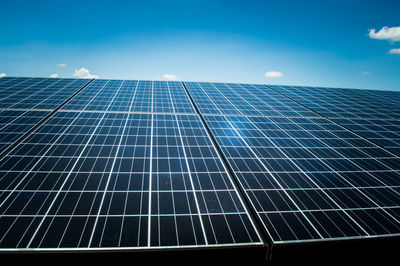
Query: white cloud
x=394 y=51
x=2 y=75
x=366 y=73
x=170 y=77
x=54 y=75
x=84 y=73
x=61 y=65
x=386 y=33
x=273 y=74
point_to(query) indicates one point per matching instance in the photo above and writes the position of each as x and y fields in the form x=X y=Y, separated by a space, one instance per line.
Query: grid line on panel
x=339 y=124
x=150 y=169
x=253 y=215
x=348 y=238
x=125 y=112
x=41 y=122
x=208 y=114
x=24 y=109
x=142 y=215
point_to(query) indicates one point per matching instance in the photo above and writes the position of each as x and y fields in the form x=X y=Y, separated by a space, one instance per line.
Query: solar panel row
x=127 y=164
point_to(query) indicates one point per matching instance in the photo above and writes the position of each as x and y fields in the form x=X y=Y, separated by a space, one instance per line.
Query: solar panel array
x=128 y=164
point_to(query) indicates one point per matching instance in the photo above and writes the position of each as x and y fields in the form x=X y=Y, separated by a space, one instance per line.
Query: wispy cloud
x=386 y=33
x=273 y=74
x=170 y=77
x=55 y=75
x=394 y=51
x=2 y=75
x=61 y=65
x=84 y=73
x=366 y=73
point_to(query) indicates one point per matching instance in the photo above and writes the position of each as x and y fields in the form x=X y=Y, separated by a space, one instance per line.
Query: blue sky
x=317 y=43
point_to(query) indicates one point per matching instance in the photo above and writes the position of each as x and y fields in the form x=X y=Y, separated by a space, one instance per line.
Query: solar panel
x=298 y=179
x=111 y=171
x=137 y=165
x=295 y=170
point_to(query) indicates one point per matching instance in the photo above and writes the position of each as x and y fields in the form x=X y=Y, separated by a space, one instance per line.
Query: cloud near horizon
x=386 y=33
x=84 y=73
x=170 y=77
x=2 y=75
x=273 y=74
x=55 y=75
x=394 y=51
